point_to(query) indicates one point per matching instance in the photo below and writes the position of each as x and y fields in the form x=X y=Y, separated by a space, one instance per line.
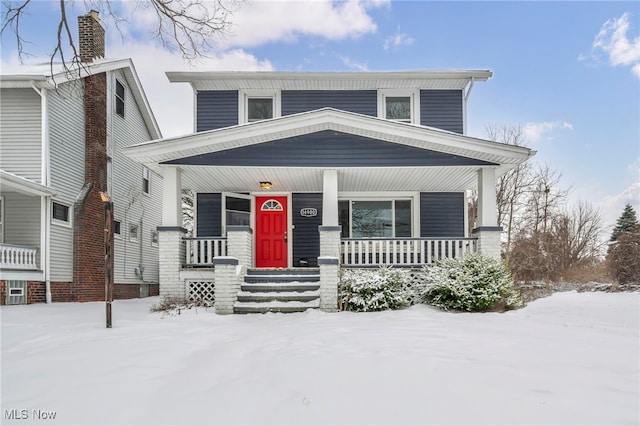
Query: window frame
x=66 y=223
x=413 y=198
x=414 y=99
x=119 y=228
x=243 y=103
x=146 y=178
x=154 y=233
x=137 y=236
x=119 y=100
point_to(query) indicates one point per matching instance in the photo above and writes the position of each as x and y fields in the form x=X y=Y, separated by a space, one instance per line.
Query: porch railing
x=18 y=257
x=200 y=251
x=403 y=251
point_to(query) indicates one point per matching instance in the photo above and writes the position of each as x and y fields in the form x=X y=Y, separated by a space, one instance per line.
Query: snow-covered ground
x=569 y=359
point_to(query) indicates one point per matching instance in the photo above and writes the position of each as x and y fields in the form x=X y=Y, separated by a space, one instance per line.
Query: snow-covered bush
x=374 y=290
x=471 y=283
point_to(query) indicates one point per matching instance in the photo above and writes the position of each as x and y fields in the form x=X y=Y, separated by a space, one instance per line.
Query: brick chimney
x=91 y=36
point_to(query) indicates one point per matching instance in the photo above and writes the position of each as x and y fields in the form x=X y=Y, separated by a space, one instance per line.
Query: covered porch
x=325 y=189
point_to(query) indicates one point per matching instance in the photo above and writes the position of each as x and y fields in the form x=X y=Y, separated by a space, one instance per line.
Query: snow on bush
x=471 y=283
x=374 y=290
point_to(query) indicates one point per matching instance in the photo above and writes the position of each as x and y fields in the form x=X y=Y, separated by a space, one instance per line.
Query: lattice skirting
x=201 y=291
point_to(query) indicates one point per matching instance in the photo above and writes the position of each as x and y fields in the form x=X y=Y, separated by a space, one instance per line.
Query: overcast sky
x=568 y=73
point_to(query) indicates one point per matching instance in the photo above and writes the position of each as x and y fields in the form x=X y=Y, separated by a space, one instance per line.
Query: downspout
x=466 y=99
x=45 y=201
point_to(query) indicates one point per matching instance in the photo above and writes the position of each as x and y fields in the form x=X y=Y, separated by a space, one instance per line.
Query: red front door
x=271 y=232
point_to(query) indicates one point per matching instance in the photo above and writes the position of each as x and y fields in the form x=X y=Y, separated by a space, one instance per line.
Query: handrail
x=202 y=250
x=18 y=257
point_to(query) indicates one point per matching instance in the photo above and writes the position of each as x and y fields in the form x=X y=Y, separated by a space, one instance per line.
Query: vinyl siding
x=21 y=220
x=442 y=214
x=216 y=109
x=131 y=205
x=442 y=109
x=358 y=101
x=306 y=237
x=66 y=139
x=208 y=214
x=328 y=149
x=21 y=133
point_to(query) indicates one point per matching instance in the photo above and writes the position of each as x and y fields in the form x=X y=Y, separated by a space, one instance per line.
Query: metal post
x=108 y=235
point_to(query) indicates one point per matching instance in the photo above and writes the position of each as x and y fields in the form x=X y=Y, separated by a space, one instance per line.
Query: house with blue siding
x=61 y=138
x=299 y=174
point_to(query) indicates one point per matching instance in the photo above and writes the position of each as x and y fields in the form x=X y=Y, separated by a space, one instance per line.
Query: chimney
x=91 y=36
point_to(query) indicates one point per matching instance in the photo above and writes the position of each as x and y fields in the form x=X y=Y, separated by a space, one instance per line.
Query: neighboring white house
x=297 y=174
x=61 y=138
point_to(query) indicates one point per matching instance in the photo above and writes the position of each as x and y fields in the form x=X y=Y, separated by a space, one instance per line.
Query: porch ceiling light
x=265 y=185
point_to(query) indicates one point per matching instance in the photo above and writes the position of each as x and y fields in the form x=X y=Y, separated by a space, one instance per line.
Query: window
x=259 y=109
x=133 y=233
x=116 y=227
x=154 y=238
x=146 y=181
x=258 y=105
x=60 y=213
x=119 y=99
x=375 y=218
x=399 y=105
x=238 y=211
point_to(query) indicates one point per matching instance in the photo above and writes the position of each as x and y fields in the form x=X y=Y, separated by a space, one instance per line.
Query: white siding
x=66 y=136
x=20 y=133
x=131 y=206
x=21 y=219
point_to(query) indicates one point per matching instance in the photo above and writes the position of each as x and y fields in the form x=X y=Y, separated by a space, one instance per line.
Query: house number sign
x=309 y=212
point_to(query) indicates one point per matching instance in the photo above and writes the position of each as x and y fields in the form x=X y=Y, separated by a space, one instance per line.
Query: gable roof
x=46 y=80
x=236 y=137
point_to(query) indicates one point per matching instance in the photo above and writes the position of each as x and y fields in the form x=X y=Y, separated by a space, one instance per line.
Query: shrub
x=373 y=290
x=471 y=283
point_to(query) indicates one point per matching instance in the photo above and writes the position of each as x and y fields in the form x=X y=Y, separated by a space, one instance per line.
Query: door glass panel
x=372 y=219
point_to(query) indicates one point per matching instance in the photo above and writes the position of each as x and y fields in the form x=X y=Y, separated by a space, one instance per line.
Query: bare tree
x=188 y=26
x=512 y=186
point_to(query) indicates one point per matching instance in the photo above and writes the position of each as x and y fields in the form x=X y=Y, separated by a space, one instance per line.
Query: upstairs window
x=399 y=105
x=258 y=105
x=119 y=100
x=259 y=109
x=146 y=181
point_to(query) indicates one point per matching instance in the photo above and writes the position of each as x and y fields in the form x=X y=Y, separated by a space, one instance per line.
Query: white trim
x=244 y=95
x=68 y=223
x=11 y=182
x=414 y=99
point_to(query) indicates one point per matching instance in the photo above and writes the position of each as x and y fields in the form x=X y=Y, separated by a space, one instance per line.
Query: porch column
x=487 y=232
x=329 y=260
x=239 y=244
x=170 y=244
x=228 y=280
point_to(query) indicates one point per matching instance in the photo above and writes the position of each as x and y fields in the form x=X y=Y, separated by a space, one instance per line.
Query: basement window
x=119 y=99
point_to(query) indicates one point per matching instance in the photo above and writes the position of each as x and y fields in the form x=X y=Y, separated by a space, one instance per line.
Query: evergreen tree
x=625 y=222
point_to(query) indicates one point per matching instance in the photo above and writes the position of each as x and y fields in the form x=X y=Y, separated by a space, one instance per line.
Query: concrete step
x=279 y=296
x=282 y=275
x=275 y=306
x=263 y=287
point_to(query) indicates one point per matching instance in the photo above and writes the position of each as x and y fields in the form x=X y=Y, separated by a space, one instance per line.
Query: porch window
x=375 y=218
x=238 y=211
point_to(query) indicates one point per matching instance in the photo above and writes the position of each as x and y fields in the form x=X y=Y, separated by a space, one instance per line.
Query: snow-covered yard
x=572 y=358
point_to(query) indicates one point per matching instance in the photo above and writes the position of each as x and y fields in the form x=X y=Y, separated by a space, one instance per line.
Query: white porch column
x=330 y=198
x=170 y=244
x=487 y=207
x=487 y=232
